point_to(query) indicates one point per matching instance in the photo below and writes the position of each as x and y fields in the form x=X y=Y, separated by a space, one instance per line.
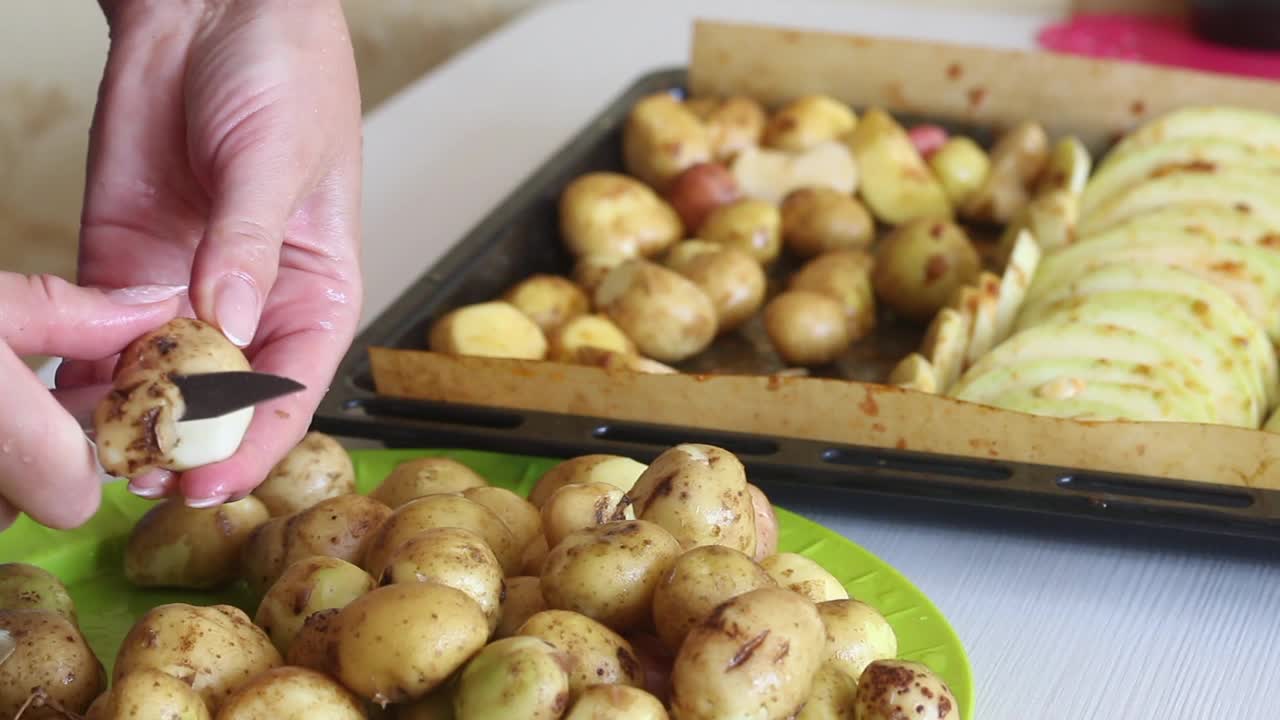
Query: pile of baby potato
x=729 y=212
x=616 y=590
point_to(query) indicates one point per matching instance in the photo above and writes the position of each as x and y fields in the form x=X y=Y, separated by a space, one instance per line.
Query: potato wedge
x=489 y=329
x=897 y=185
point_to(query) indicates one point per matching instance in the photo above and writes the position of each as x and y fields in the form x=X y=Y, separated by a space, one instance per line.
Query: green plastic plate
x=88 y=560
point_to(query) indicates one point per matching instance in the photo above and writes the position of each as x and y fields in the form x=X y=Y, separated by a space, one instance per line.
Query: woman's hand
x=225 y=155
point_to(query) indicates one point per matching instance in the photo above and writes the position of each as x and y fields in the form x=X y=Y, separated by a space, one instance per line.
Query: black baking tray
x=520 y=237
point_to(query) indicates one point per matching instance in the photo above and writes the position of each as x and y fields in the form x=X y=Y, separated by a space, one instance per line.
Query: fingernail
x=149 y=493
x=145 y=294
x=207 y=502
x=236 y=307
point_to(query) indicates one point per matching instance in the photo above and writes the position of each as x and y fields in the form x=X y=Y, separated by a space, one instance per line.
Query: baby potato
x=617 y=470
x=919 y=267
x=454 y=557
x=41 y=651
x=808 y=121
x=490 y=329
x=576 y=507
x=771 y=175
x=597 y=655
x=733 y=125
x=697 y=583
x=318 y=468
x=595 y=331
x=401 y=641
x=800 y=574
x=682 y=255
x=750 y=225
x=668 y=317
x=420 y=477
x=519 y=515
x=292 y=693
x=609 y=214
x=700 y=189
x=734 y=282
x=806 y=328
x=832 y=696
x=698 y=493
x=609 y=572
x=436 y=705
x=27 y=587
x=857 y=635
x=616 y=702
x=173 y=545
x=819 y=220
x=961 y=166
x=755 y=656
x=655 y=661
x=436 y=511
x=308 y=586
x=661 y=138
x=310 y=647
x=340 y=527
x=148 y=694
x=590 y=270
x=523 y=601
x=844 y=275
x=535 y=556
x=549 y=300
x=766 y=524
x=262 y=558
x=213 y=649
x=892 y=689
x=897 y=185
x=518 y=677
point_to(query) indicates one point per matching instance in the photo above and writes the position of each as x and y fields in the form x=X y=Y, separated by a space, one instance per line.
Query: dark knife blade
x=209 y=395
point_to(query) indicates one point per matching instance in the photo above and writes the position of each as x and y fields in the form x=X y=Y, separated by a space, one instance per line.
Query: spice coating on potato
x=400 y=642
x=523 y=601
x=733 y=281
x=318 y=468
x=667 y=316
x=857 y=635
x=897 y=185
x=616 y=702
x=1015 y=161
x=519 y=515
x=755 y=656
x=436 y=511
x=308 y=586
x=609 y=572
x=818 y=220
x=698 y=493
x=733 y=124
x=420 y=477
x=806 y=328
x=892 y=689
x=802 y=575
x=919 y=267
x=214 y=649
x=518 y=677
x=176 y=546
x=609 y=214
x=137 y=426
x=549 y=300
x=808 y=121
x=292 y=693
x=27 y=587
x=454 y=557
x=489 y=329
x=617 y=470
x=697 y=583
x=700 y=189
x=596 y=653
x=595 y=331
x=845 y=276
x=750 y=225
x=661 y=138
x=148 y=694
x=50 y=656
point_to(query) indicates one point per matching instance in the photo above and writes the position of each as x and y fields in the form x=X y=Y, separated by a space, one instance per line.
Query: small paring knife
x=209 y=395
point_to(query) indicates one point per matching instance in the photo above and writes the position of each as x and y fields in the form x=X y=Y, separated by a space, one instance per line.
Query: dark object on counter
x=1253 y=24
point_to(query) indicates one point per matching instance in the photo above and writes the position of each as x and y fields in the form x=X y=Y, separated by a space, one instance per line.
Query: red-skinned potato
x=700 y=189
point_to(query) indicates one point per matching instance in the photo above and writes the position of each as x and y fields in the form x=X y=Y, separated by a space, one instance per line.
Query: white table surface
x=1061 y=619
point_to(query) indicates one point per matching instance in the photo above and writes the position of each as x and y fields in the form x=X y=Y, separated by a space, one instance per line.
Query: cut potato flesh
x=1052 y=218
x=915 y=372
x=982 y=330
x=1273 y=423
x=896 y=184
x=1254 y=192
x=1259 y=129
x=1068 y=168
x=1019 y=269
x=491 y=329
x=944 y=345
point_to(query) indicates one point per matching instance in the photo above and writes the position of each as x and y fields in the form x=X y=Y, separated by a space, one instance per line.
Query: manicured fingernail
x=207 y=502
x=236 y=307
x=149 y=493
x=145 y=294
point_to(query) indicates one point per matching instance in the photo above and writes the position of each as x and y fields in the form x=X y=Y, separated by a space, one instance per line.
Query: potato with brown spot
x=697 y=583
x=755 y=656
x=306 y=587
x=454 y=557
x=699 y=190
x=213 y=649
x=176 y=546
x=609 y=214
x=596 y=654
x=436 y=511
x=808 y=121
x=699 y=494
x=400 y=642
x=609 y=572
x=149 y=694
x=46 y=654
x=667 y=316
x=424 y=476
x=588 y=331
x=750 y=225
x=495 y=329
x=803 y=575
x=921 y=265
x=819 y=220
x=616 y=702
x=897 y=185
x=523 y=601
x=857 y=635
x=1015 y=162
x=517 y=677
x=807 y=328
x=894 y=689
x=549 y=300
x=311 y=647
x=292 y=693
x=317 y=469
x=26 y=587
x=519 y=515
x=733 y=281
x=341 y=527
x=579 y=506
x=733 y=125
x=617 y=470
x=662 y=138
x=844 y=276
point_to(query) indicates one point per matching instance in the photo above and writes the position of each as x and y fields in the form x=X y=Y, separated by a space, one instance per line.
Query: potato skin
x=340 y=527
x=173 y=545
x=590 y=270
x=262 y=557
x=617 y=470
x=700 y=189
x=609 y=572
x=733 y=124
x=518 y=677
x=549 y=300
x=806 y=328
x=147 y=694
x=609 y=214
x=400 y=642
x=434 y=511
x=890 y=689
x=523 y=601
x=667 y=316
x=308 y=586
x=519 y=515
x=920 y=266
x=766 y=524
x=577 y=507
x=733 y=281
x=420 y=477
x=819 y=220
x=808 y=121
x=595 y=331
x=802 y=575
x=755 y=656
x=292 y=693
x=50 y=655
x=750 y=225
x=698 y=493
x=697 y=583
x=844 y=276
x=662 y=138
x=311 y=647
x=857 y=635
x=317 y=469
x=616 y=702
x=215 y=649
x=832 y=696
x=27 y=587
x=454 y=557
x=596 y=653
